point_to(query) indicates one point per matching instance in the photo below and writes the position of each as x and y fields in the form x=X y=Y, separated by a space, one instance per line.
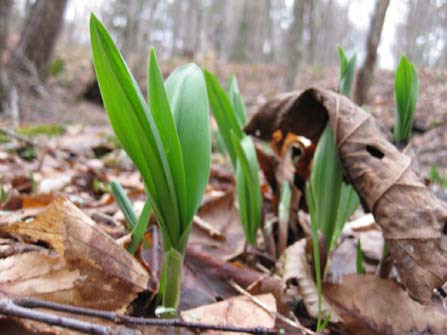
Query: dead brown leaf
x=414 y=222
x=82 y=265
x=370 y=305
x=238 y=311
x=295 y=270
x=226 y=239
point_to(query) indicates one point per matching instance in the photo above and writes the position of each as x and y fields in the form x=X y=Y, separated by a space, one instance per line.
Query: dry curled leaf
x=238 y=311
x=370 y=305
x=413 y=221
x=80 y=266
x=295 y=270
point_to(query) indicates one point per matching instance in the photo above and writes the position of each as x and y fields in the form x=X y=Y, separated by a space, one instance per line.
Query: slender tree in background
x=294 y=38
x=39 y=37
x=5 y=11
x=366 y=73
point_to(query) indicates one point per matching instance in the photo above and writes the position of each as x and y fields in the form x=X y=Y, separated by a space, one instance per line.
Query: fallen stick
x=23 y=308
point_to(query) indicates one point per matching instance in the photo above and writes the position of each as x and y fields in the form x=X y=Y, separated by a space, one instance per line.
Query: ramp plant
x=168 y=140
x=406 y=88
x=229 y=111
x=331 y=201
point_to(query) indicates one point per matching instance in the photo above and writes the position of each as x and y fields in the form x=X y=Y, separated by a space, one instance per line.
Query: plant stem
x=171 y=281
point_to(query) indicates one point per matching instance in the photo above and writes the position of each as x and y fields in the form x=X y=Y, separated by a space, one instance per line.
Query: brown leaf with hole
x=81 y=266
x=411 y=218
x=370 y=305
x=239 y=311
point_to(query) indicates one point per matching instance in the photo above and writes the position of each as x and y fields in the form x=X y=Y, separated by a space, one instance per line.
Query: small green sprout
x=229 y=111
x=124 y=204
x=437 y=177
x=284 y=214
x=406 y=88
x=347 y=71
x=137 y=227
x=359 y=258
x=168 y=140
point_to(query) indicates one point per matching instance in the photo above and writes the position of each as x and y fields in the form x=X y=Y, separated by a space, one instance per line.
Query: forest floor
x=79 y=158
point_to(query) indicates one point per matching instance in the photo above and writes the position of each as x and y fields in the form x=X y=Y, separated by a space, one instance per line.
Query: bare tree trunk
x=5 y=11
x=366 y=73
x=39 y=37
x=294 y=39
x=312 y=30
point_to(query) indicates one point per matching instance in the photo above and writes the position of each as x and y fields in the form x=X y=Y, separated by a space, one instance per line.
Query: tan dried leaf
x=83 y=267
x=295 y=270
x=238 y=311
x=370 y=305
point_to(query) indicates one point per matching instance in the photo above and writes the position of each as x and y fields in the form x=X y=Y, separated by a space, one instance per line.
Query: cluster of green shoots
x=169 y=141
x=230 y=115
x=331 y=201
x=327 y=195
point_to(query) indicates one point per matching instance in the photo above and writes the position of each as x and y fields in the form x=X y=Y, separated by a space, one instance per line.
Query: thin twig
x=10 y=308
x=130 y=320
x=294 y=324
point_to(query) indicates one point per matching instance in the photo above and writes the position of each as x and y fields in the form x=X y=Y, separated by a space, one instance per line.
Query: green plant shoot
x=236 y=101
x=359 y=258
x=406 y=88
x=168 y=141
x=347 y=71
x=331 y=201
x=124 y=204
x=229 y=112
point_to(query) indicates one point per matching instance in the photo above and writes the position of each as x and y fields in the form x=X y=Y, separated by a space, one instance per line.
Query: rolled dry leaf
x=413 y=221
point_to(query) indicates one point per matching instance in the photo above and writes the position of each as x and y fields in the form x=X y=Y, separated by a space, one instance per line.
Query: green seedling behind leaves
x=406 y=88
x=136 y=226
x=236 y=101
x=347 y=71
x=247 y=186
x=229 y=112
x=331 y=201
x=168 y=141
x=359 y=258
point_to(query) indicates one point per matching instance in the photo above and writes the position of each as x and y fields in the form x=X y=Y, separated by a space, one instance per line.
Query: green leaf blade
x=249 y=194
x=186 y=91
x=160 y=109
x=236 y=101
x=224 y=113
x=406 y=87
x=130 y=119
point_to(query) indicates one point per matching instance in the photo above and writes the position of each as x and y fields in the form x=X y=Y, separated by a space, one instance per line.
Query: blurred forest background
x=272 y=45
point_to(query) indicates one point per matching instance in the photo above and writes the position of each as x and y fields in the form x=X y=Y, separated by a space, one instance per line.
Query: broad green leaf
x=347 y=71
x=124 y=204
x=223 y=113
x=236 y=101
x=161 y=112
x=187 y=95
x=248 y=187
x=406 y=88
x=326 y=179
x=132 y=123
x=349 y=201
